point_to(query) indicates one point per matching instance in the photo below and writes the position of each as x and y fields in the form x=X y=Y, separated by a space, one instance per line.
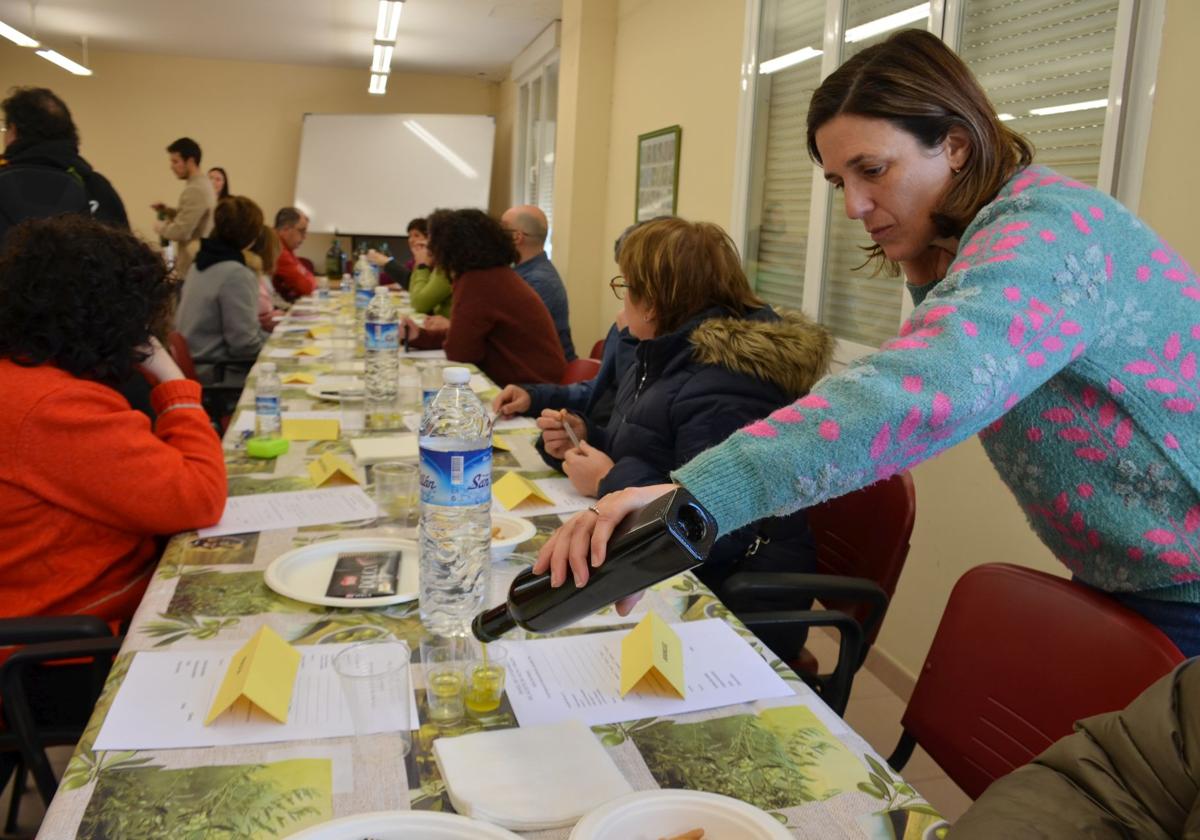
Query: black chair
x=862 y=542
x=43 y=704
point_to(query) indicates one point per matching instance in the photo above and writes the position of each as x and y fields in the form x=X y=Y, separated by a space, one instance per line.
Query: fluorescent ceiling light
x=378 y=84
x=441 y=148
x=64 y=62
x=381 y=60
x=18 y=38
x=1005 y=117
x=791 y=59
x=886 y=24
x=388 y=23
x=1065 y=109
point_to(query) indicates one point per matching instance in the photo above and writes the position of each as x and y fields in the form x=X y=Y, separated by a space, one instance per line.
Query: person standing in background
x=187 y=224
x=292 y=278
x=527 y=226
x=220 y=182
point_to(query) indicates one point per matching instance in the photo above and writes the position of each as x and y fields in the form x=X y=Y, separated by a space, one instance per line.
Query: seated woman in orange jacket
x=498 y=322
x=85 y=483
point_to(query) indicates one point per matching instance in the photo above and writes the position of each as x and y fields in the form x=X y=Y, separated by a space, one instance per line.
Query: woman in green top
x=429 y=287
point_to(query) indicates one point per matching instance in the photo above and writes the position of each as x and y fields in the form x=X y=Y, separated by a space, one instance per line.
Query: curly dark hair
x=38 y=114
x=463 y=240
x=82 y=296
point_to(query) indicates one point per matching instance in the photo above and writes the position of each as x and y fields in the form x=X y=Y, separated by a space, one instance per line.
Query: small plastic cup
x=374 y=677
x=397 y=492
x=431 y=380
x=485 y=679
x=444 y=660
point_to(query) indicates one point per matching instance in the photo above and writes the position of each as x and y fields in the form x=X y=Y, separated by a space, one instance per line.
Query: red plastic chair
x=598 y=349
x=862 y=541
x=580 y=370
x=1018 y=657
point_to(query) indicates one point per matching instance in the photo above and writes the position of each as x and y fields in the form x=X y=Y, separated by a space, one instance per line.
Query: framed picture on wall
x=657 y=173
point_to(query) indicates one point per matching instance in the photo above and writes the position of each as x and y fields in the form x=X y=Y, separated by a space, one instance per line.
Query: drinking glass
x=485 y=679
x=397 y=492
x=443 y=659
x=374 y=676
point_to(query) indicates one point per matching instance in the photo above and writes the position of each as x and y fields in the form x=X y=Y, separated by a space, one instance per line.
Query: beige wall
x=245 y=115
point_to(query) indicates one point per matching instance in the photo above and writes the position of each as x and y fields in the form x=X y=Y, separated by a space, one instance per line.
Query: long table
x=792 y=757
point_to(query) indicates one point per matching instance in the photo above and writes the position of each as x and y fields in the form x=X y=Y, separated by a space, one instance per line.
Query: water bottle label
x=362 y=297
x=456 y=479
x=382 y=336
x=266 y=405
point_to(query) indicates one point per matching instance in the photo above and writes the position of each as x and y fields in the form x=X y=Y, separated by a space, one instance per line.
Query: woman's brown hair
x=917 y=83
x=237 y=221
x=267 y=247
x=680 y=268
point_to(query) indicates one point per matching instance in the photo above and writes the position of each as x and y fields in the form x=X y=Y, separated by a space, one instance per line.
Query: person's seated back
x=499 y=324
x=218 y=312
x=292 y=279
x=85 y=482
x=711 y=358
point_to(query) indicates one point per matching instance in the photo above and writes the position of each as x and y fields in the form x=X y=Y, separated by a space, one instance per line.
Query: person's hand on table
x=554 y=436
x=160 y=363
x=377 y=257
x=585 y=535
x=512 y=400
x=586 y=467
x=437 y=323
x=411 y=328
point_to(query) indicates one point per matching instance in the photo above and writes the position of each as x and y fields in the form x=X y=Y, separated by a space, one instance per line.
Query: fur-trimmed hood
x=790 y=351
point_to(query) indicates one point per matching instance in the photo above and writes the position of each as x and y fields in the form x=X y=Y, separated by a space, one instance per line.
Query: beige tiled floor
x=874 y=712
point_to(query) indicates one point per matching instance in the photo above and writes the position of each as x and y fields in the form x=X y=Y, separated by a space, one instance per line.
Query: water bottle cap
x=267 y=367
x=456 y=375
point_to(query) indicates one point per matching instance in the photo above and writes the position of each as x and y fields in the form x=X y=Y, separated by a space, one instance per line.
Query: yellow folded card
x=514 y=488
x=310 y=351
x=298 y=379
x=320 y=331
x=652 y=658
x=307 y=428
x=332 y=470
x=263 y=671
x=501 y=444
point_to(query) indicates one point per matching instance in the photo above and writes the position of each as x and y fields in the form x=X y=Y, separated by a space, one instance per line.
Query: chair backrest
x=580 y=370
x=865 y=534
x=182 y=354
x=598 y=349
x=1018 y=657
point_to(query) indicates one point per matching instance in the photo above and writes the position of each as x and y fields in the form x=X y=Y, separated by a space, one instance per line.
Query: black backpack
x=38 y=192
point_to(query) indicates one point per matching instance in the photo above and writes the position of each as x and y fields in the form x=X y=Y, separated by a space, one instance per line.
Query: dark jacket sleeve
x=108 y=207
x=398 y=273
x=1133 y=773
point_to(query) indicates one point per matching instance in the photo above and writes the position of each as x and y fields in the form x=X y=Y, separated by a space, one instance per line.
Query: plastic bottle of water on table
x=267 y=413
x=456 y=498
x=381 y=343
x=365 y=283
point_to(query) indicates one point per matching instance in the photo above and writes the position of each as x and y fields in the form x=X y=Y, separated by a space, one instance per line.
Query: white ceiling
x=460 y=37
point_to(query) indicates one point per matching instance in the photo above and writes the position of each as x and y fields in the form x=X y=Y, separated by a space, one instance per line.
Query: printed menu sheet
x=550 y=680
x=165 y=697
x=293 y=509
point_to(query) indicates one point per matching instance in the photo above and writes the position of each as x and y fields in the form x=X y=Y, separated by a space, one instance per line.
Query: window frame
x=1123 y=148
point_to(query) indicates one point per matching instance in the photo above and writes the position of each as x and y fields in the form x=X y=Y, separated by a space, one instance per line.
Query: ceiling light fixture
x=378 y=84
x=18 y=38
x=381 y=60
x=388 y=23
x=64 y=62
x=887 y=23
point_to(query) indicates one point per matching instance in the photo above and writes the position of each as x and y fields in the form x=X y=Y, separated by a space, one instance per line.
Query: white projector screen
x=371 y=173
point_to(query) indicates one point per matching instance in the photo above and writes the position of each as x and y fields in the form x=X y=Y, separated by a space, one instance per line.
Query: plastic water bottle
x=456 y=498
x=381 y=342
x=267 y=417
x=364 y=285
x=322 y=287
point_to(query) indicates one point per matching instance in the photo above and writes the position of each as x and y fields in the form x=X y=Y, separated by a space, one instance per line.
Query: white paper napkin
x=529 y=778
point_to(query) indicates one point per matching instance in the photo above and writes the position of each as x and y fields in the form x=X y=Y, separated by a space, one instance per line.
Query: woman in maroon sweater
x=497 y=321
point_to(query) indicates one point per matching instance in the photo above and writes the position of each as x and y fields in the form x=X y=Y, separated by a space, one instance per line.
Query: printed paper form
x=293 y=509
x=565 y=499
x=550 y=680
x=166 y=695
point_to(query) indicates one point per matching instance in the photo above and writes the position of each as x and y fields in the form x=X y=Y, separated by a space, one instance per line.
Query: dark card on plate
x=367 y=574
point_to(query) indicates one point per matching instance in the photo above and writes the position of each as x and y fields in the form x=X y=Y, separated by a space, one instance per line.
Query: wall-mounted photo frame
x=657 y=191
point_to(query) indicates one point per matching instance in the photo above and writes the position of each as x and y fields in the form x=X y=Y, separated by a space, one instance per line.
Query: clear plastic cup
x=444 y=660
x=374 y=676
x=485 y=679
x=397 y=487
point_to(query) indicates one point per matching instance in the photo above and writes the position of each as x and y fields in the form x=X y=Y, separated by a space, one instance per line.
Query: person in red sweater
x=292 y=278
x=497 y=321
x=85 y=483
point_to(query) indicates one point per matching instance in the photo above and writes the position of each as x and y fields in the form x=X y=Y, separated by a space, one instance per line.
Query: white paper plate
x=514 y=530
x=331 y=387
x=405 y=825
x=302 y=574
x=652 y=814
